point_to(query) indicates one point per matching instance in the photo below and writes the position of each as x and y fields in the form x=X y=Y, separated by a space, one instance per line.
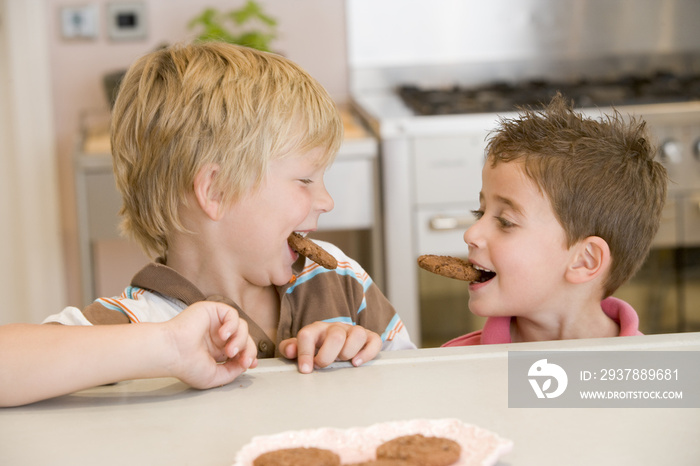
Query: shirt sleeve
x=68 y=316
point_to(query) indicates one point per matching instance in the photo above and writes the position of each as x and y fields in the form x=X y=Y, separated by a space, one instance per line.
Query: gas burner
x=661 y=87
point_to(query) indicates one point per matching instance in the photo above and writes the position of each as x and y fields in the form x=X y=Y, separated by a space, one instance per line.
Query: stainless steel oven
x=431 y=99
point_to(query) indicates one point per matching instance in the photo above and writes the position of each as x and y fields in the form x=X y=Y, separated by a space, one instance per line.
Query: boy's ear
x=208 y=199
x=591 y=259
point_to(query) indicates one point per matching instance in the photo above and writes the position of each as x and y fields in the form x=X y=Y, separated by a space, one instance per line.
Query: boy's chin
x=283 y=279
x=481 y=310
x=479 y=313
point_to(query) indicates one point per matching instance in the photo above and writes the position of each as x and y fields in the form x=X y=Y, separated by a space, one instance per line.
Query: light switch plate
x=79 y=22
x=127 y=20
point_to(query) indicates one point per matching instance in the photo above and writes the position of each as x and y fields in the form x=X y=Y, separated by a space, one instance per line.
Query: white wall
x=31 y=262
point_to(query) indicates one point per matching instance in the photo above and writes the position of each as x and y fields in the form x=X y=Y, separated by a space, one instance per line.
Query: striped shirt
x=346 y=294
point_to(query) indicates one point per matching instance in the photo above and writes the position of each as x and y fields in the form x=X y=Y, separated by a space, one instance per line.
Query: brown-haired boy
x=568 y=209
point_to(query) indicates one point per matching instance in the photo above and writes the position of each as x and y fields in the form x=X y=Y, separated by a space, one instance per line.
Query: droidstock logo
x=541 y=374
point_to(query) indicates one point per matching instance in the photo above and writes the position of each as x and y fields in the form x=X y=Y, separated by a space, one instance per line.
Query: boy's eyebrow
x=510 y=203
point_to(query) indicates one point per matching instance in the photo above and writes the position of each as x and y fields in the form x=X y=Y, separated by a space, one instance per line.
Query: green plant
x=240 y=26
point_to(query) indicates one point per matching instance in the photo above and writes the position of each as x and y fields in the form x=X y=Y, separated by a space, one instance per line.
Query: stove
x=659 y=87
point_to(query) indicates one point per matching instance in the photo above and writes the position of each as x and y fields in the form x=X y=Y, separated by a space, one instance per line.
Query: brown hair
x=599 y=176
x=184 y=107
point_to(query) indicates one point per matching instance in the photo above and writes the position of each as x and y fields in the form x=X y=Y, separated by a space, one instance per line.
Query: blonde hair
x=599 y=176
x=182 y=108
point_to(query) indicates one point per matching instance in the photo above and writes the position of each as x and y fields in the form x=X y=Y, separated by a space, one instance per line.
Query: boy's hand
x=321 y=343
x=212 y=345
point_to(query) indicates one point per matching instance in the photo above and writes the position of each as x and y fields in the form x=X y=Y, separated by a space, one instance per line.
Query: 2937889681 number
x=638 y=374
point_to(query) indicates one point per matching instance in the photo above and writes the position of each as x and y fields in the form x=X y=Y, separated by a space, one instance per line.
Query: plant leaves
x=215 y=25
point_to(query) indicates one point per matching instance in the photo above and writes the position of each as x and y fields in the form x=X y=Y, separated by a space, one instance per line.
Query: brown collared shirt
x=346 y=294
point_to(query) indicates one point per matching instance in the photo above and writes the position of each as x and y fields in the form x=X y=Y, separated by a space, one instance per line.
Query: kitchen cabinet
x=352 y=181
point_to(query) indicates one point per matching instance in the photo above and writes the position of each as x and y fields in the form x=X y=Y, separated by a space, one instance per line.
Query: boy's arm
x=44 y=361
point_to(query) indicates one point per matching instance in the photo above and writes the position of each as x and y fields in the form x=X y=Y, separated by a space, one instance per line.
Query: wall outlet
x=79 y=22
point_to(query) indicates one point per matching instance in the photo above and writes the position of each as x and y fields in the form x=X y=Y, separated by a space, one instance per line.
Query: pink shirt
x=497 y=329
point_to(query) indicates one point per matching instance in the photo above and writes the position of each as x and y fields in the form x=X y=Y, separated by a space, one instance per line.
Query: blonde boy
x=568 y=209
x=219 y=153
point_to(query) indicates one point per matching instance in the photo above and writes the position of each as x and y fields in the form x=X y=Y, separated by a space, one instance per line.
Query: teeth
x=302 y=233
x=481 y=268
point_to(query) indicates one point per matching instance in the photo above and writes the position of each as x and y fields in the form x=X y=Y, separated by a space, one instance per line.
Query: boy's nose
x=324 y=201
x=467 y=235
x=471 y=235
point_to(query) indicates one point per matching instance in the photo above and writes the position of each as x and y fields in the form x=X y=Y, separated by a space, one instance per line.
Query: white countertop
x=162 y=421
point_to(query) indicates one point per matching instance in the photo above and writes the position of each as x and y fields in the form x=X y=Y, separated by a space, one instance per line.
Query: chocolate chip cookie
x=298 y=457
x=421 y=450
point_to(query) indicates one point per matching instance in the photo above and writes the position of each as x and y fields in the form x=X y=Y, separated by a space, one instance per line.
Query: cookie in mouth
x=454 y=267
x=485 y=275
x=311 y=250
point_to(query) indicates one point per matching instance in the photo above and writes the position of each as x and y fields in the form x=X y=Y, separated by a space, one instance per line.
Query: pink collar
x=497 y=329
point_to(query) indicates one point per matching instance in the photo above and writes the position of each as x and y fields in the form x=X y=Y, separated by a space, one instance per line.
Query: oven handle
x=447 y=223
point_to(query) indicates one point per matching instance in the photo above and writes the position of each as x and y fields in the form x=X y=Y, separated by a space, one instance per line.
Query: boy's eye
x=477 y=214
x=505 y=223
x=306 y=181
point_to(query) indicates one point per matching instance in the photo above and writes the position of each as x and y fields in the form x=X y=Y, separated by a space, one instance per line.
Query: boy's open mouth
x=485 y=274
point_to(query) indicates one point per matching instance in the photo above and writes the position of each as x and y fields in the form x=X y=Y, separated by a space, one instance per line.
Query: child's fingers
x=307 y=340
x=234 y=337
x=333 y=343
x=244 y=357
x=288 y=348
x=238 y=340
x=355 y=339
x=371 y=349
x=320 y=344
x=229 y=320
x=226 y=373
x=305 y=362
x=249 y=356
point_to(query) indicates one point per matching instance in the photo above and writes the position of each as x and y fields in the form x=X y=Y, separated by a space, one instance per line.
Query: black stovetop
x=660 y=87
